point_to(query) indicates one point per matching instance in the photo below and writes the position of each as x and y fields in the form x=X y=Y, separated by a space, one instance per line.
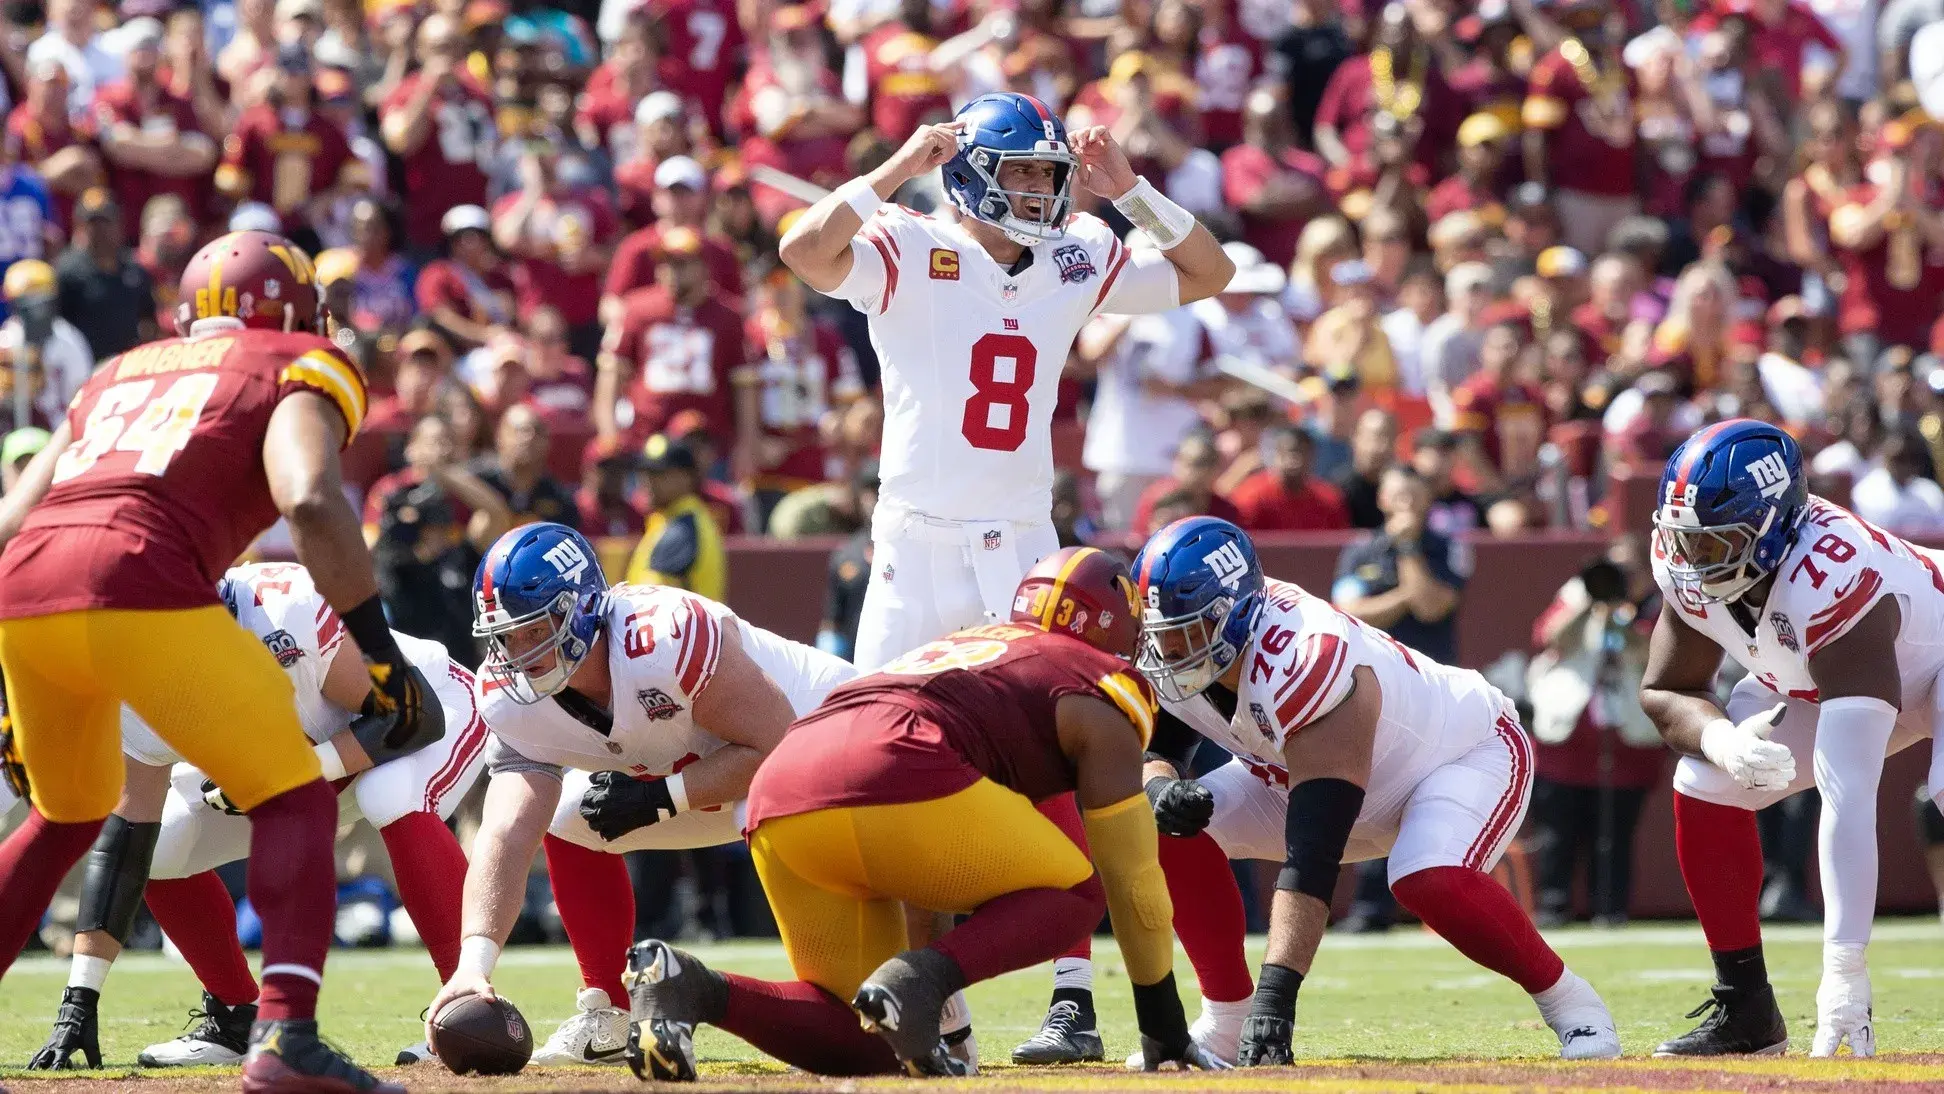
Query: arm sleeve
x=872 y=279
x=1126 y=849
x=1139 y=283
x=1851 y=735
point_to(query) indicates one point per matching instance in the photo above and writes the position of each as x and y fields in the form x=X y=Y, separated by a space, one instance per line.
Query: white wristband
x=1152 y=212
x=863 y=200
x=330 y=761
x=478 y=954
x=677 y=793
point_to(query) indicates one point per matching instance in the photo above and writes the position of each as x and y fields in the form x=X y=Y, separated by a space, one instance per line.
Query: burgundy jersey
x=163 y=485
x=980 y=702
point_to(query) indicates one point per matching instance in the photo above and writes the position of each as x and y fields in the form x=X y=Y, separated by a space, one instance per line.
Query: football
x=474 y=1035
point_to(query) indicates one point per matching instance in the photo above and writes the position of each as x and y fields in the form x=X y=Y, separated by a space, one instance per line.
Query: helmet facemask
x=1716 y=564
x=1182 y=655
x=996 y=206
x=514 y=673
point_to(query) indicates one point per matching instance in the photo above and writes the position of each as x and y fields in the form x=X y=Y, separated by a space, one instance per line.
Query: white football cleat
x=221 y=1037
x=1218 y=1030
x=597 y=1034
x=414 y=1054
x=1580 y=1018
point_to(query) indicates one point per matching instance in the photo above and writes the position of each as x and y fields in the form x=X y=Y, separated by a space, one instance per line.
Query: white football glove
x=1843 y=1002
x=1743 y=750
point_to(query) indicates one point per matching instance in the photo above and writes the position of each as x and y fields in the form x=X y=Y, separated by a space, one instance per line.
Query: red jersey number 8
x=990 y=393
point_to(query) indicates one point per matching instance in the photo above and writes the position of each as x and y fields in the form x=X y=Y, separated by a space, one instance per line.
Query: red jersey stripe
x=1830 y=623
x=1325 y=662
x=1117 y=258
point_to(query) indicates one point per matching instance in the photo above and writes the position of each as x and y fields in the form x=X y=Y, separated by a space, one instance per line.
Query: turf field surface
x=1401 y=1011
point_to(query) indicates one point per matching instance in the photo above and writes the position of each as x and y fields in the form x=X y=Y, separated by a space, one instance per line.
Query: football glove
x=75 y=1030
x=214 y=797
x=412 y=722
x=1744 y=751
x=1843 y=1013
x=1182 y=807
x=616 y=804
x=1156 y=1057
x=1266 y=1042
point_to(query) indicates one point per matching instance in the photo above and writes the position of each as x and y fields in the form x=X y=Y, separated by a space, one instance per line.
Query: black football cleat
x=1739 y=1022
x=76 y=1029
x=288 y=1057
x=222 y=1036
x=669 y=994
x=901 y=1001
x=1064 y=1037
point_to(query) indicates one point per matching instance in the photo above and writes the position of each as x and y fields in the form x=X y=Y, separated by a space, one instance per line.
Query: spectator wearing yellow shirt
x=1350 y=333
x=682 y=545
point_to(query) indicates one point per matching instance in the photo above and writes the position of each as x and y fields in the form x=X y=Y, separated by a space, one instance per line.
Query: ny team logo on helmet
x=1201 y=586
x=539 y=573
x=1731 y=500
x=259 y=279
x=999 y=128
x=1083 y=592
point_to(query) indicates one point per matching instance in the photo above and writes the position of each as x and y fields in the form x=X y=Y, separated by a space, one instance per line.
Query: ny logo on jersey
x=568 y=559
x=1010 y=323
x=1228 y=564
x=1771 y=475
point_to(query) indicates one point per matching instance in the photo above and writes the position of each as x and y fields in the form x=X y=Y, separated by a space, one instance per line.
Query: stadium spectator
x=19 y=448
x=150 y=137
x=800 y=373
x=892 y=72
x=468 y=292
x=48 y=357
x=382 y=284
x=42 y=134
x=1499 y=416
x=166 y=243
x=285 y=153
x=682 y=544
x=850 y=573
x=439 y=122
x=1286 y=496
x=1433 y=456
x=1323 y=243
x=1448 y=349
x=105 y=291
x=1245 y=321
x=73 y=40
x=559 y=231
x=433 y=455
x=1373 y=449
x=680 y=201
x=424 y=362
x=1277 y=187
x=660 y=134
x=1897 y=495
x=518 y=471
x=1192 y=483
x=1349 y=338
x=607 y=503
x=1152 y=371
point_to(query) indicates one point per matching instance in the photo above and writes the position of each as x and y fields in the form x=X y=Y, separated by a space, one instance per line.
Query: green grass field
x=1398 y=1011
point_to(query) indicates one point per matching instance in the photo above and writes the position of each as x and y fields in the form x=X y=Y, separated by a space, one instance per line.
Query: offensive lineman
x=172 y=459
x=973 y=313
x=1841 y=628
x=1348 y=746
x=660 y=701
x=916 y=785
x=173 y=828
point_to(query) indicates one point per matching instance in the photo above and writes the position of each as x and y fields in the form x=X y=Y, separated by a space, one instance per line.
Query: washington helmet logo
x=1073 y=262
x=568 y=559
x=283 y=647
x=1785 y=635
x=1228 y=564
x=1771 y=475
x=656 y=704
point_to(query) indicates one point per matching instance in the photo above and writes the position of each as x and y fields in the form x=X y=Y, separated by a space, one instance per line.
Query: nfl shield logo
x=993 y=539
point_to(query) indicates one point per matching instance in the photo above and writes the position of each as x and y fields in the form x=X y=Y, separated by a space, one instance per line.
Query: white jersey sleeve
x=877 y=254
x=280 y=605
x=1131 y=282
x=672 y=637
x=1834 y=574
x=1300 y=668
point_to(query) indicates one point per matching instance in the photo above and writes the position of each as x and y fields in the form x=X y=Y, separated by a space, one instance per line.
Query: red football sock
x=1022 y=929
x=293 y=886
x=1482 y=919
x=804 y=1026
x=32 y=863
x=597 y=909
x=1208 y=915
x=1064 y=812
x=198 y=916
x=431 y=873
x=1720 y=849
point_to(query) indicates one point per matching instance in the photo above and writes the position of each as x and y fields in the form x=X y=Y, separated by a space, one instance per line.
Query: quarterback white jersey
x=971 y=354
x=662 y=650
x=1298 y=667
x=1837 y=569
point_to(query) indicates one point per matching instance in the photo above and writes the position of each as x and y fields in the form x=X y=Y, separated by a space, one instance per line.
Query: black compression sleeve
x=369 y=629
x=1275 y=994
x=1315 y=831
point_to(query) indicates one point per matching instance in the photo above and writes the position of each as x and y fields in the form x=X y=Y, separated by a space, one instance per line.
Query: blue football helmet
x=1201 y=586
x=1006 y=126
x=538 y=573
x=1731 y=501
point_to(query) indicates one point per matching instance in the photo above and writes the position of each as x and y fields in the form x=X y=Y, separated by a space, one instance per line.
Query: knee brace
x=117 y=872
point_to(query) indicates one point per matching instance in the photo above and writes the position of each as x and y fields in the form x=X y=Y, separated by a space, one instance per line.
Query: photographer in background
x=46 y=359
x=424 y=566
x=1597 y=754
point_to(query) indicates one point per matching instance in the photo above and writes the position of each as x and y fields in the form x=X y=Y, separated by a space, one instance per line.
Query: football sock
x=431 y=873
x=1064 y=811
x=1720 y=851
x=32 y=863
x=197 y=914
x=597 y=910
x=293 y=886
x=1072 y=974
x=1208 y=915
x=804 y=1026
x=1483 y=921
x=88 y=972
x=1021 y=929
x=1745 y=970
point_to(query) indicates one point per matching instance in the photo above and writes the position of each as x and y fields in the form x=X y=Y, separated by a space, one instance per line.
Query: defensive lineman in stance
x=973 y=313
x=1841 y=628
x=1348 y=746
x=661 y=702
x=173 y=828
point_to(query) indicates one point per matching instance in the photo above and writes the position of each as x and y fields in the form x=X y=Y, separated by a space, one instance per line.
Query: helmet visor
x=1710 y=561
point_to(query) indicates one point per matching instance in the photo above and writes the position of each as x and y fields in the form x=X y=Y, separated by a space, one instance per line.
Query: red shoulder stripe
x=890 y=271
x=1325 y=663
x=1117 y=258
x=1831 y=622
x=705 y=636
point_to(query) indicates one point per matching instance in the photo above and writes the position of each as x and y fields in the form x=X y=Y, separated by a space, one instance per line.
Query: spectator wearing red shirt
x=1500 y=419
x=800 y=373
x=702 y=47
x=1603 y=318
x=149 y=136
x=1491 y=83
x=660 y=136
x=1197 y=464
x=605 y=116
x=681 y=200
x=1890 y=287
x=1275 y=186
x=468 y=293
x=1779 y=29
x=675 y=347
x=42 y=136
x=1648 y=438
x=1228 y=62
x=424 y=361
x=1284 y=496
x=1579 y=131
x=167 y=242
x=1483 y=141
x=283 y=152
x=793 y=112
x=558 y=384
x=890 y=73
x=560 y=238
x=1399 y=77
x=439 y=122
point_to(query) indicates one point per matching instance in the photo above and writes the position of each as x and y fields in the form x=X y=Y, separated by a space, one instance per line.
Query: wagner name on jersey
x=1837 y=569
x=972 y=352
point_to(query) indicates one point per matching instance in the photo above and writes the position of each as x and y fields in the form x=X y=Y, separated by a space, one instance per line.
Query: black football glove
x=1182 y=807
x=1165 y=1042
x=1266 y=1042
x=616 y=804
x=214 y=797
x=414 y=721
x=75 y=1030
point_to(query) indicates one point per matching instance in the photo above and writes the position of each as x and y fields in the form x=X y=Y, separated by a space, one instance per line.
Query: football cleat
x=414 y=1054
x=76 y=1029
x=901 y=1001
x=288 y=1057
x=596 y=1034
x=669 y=994
x=1061 y=1039
x=1737 y=1023
x=222 y=1037
x=1218 y=1030
x=1581 y=1020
